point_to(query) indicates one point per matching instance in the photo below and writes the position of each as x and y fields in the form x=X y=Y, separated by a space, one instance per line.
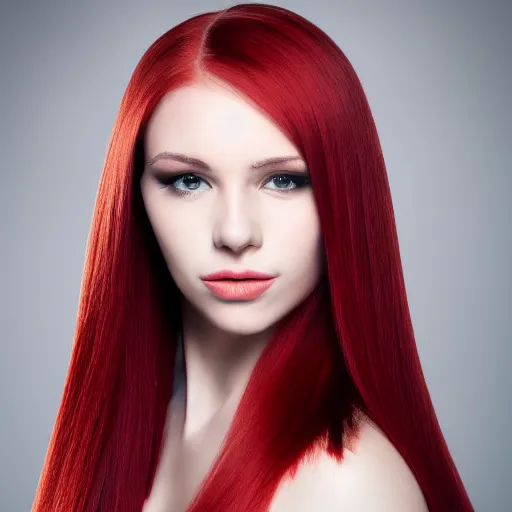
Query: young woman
x=244 y=239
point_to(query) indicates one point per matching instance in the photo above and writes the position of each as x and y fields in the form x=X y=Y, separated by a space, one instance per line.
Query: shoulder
x=372 y=477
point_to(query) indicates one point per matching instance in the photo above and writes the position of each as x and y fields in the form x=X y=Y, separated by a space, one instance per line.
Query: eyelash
x=300 y=180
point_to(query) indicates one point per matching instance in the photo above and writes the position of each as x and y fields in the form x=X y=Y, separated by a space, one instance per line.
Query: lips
x=231 y=285
x=232 y=274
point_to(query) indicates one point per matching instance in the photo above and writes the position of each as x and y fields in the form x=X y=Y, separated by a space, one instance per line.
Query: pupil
x=282 y=181
x=191 y=181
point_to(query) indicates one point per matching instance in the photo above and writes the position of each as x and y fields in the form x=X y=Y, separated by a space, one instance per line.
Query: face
x=217 y=202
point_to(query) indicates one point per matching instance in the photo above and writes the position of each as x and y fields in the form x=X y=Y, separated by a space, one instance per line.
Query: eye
x=286 y=182
x=185 y=183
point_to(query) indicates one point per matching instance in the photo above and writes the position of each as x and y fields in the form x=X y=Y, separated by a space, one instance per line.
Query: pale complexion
x=216 y=201
x=247 y=205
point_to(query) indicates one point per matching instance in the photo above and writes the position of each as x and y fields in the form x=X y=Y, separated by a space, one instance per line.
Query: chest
x=184 y=463
x=183 y=467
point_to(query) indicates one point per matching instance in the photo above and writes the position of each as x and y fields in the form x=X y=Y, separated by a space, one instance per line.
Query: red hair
x=349 y=347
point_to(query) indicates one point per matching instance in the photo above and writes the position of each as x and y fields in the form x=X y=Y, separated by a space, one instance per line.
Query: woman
x=244 y=237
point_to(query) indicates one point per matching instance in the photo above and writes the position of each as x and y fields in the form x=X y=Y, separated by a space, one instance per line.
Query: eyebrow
x=179 y=157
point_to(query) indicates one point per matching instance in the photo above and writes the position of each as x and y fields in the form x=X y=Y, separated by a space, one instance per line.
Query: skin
x=233 y=216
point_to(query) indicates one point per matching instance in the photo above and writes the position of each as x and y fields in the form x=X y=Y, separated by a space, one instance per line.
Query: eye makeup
x=186 y=183
x=280 y=181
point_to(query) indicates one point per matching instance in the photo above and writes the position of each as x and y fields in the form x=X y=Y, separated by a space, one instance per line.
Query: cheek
x=297 y=239
x=178 y=232
x=179 y=243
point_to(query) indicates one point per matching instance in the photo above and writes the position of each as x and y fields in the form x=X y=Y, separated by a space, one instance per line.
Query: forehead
x=211 y=122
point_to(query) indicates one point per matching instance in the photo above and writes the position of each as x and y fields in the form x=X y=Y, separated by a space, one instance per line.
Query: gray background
x=438 y=78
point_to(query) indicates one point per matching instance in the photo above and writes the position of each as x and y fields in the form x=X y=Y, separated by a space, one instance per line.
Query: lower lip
x=247 y=289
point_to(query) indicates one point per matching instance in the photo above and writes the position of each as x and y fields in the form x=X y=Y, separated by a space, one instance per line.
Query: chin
x=241 y=319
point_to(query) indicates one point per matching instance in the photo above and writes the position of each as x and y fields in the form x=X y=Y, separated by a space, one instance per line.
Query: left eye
x=185 y=183
x=287 y=182
x=189 y=181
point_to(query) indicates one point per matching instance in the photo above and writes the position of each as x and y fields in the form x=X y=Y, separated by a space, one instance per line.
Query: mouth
x=240 y=286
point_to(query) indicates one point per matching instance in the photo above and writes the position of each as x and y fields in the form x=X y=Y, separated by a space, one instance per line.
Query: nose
x=235 y=225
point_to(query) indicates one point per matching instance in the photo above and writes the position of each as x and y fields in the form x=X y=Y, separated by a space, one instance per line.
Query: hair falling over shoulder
x=349 y=347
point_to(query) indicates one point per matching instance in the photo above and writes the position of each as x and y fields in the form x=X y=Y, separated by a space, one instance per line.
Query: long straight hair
x=348 y=348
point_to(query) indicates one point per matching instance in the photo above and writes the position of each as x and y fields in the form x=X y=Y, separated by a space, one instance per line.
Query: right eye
x=185 y=183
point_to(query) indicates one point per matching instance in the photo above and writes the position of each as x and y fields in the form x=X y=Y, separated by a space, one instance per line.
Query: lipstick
x=231 y=285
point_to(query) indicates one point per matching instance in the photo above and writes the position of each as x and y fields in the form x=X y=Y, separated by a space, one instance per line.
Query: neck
x=218 y=367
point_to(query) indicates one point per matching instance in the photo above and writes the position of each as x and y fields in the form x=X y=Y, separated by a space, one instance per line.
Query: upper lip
x=232 y=274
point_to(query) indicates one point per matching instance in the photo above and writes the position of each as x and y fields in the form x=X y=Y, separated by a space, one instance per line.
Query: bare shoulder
x=373 y=477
